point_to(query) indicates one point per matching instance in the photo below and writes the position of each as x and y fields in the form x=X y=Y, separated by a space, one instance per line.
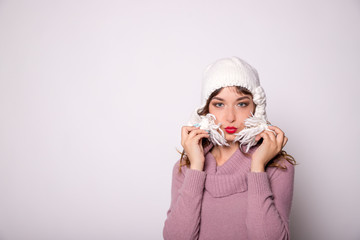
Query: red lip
x=230 y=129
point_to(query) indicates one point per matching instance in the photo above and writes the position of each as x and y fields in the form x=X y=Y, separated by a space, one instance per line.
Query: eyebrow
x=240 y=98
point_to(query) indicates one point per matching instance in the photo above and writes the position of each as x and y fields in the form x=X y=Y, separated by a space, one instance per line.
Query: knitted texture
x=228 y=72
x=229 y=202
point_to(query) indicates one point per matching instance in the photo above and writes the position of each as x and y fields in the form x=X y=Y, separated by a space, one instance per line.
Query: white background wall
x=93 y=95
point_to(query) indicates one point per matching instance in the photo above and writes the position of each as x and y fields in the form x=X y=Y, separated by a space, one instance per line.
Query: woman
x=233 y=180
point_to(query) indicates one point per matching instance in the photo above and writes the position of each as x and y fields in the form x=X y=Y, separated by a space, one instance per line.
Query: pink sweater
x=229 y=202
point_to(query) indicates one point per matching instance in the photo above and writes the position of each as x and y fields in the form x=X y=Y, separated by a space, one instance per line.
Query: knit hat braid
x=228 y=72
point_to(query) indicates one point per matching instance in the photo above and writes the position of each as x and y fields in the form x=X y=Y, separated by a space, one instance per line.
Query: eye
x=243 y=104
x=217 y=104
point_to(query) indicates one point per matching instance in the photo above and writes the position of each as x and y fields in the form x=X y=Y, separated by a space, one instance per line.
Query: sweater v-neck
x=228 y=178
x=235 y=162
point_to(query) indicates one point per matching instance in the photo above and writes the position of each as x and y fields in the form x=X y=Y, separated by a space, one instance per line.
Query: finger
x=259 y=136
x=189 y=127
x=285 y=141
x=280 y=135
x=185 y=133
x=271 y=135
x=280 y=139
x=276 y=129
x=195 y=139
x=201 y=135
x=186 y=130
x=196 y=132
x=263 y=135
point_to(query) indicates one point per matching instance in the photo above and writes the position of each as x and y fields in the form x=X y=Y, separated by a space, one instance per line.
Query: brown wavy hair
x=274 y=162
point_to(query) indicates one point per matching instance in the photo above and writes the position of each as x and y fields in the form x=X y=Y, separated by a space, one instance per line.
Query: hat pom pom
x=208 y=123
x=253 y=126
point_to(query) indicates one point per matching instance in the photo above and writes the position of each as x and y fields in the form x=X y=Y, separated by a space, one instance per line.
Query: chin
x=229 y=137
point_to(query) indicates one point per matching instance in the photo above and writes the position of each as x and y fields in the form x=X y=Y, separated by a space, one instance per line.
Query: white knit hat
x=227 y=72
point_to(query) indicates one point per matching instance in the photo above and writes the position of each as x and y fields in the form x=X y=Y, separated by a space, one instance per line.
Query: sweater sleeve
x=269 y=203
x=183 y=216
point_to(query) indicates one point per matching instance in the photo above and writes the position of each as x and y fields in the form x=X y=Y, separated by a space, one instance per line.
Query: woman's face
x=231 y=109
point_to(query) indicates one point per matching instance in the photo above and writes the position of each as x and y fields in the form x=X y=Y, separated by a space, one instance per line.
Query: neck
x=223 y=153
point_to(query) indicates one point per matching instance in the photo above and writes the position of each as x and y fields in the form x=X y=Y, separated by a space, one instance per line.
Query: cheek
x=217 y=115
x=213 y=111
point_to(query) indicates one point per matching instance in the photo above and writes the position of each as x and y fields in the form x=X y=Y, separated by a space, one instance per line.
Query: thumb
x=258 y=137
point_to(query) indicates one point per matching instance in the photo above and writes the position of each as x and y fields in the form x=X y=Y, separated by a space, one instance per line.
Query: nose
x=230 y=115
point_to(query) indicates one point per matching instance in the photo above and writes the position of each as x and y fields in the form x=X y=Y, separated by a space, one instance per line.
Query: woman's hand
x=191 y=141
x=268 y=149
